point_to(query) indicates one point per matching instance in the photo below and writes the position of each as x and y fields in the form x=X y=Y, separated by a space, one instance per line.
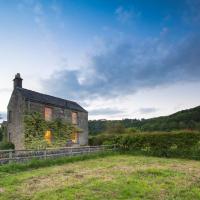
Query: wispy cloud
x=124 y=15
x=147 y=110
x=105 y=111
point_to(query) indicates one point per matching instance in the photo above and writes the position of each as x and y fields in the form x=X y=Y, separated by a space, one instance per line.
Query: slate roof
x=49 y=100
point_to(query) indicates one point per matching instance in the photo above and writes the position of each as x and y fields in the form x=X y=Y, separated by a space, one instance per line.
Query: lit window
x=74 y=118
x=48 y=136
x=74 y=137
x=48 y=114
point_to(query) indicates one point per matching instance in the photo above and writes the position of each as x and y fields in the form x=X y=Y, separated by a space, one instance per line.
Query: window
x=74 y=137
x=48 y=114
x=74 y=118
x=48 y=136
x=10 y=116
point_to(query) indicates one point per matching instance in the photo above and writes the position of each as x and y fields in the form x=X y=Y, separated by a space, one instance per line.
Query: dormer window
x=74 y=118
x=48 y=113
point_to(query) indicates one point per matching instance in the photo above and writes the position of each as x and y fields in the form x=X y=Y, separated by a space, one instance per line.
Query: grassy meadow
x=116 y=176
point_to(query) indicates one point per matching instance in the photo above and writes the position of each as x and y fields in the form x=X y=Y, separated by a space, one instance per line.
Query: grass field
x=112 y=177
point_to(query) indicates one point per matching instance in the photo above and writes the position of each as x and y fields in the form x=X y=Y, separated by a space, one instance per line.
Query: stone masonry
x=26 y=101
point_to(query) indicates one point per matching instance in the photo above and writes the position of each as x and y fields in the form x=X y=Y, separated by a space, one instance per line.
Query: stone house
x=26 y=101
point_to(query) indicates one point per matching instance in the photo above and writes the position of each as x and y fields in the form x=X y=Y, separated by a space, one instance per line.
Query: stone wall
x=15 y=127
x=83 y=125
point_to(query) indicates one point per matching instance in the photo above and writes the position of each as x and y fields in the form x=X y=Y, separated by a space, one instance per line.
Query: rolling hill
x=186 y=119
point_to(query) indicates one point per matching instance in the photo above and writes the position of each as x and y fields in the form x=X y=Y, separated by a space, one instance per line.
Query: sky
x=117 y=58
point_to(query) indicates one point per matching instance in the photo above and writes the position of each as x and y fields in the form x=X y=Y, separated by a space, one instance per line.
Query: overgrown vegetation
x=4 y=144
x=36 y=127
x=184 y=120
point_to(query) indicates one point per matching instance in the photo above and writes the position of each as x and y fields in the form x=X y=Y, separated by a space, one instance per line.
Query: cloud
x=126 y=15
x=105 y=111
x=123 y=15
x=125 y=66
x=147 y=110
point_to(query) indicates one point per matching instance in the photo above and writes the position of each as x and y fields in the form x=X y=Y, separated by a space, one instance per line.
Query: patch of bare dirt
x=2 y=190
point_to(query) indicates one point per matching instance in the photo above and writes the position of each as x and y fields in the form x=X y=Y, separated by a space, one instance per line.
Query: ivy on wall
x=42 y=134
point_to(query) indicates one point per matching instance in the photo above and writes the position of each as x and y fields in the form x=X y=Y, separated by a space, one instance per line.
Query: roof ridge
x=49 y=99
x=47 y=95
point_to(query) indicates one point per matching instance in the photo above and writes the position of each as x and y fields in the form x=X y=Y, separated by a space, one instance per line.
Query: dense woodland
x=183 y=120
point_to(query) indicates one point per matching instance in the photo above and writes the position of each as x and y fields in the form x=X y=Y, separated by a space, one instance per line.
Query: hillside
x=186 y=119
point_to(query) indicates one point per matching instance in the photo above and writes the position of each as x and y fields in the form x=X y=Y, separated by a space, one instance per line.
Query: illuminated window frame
x=75 y=137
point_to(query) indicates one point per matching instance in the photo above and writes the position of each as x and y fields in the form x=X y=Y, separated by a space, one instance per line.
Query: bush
x=131 y=130
x=101 y=139
x=6 y=145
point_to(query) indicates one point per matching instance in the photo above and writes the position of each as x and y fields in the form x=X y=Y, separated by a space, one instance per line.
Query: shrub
x=131 y=130
x=101 y=139
x=6 y=145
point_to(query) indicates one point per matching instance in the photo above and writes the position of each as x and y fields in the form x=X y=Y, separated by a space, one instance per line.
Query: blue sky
x=117 y=58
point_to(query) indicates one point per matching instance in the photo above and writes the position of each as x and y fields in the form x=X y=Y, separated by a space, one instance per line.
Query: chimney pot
x=17 y=81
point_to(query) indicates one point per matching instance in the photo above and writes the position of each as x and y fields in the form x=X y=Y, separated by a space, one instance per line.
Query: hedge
x=185 y=144
x=176 y=144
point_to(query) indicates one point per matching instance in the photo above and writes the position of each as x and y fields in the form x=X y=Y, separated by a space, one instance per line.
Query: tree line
x=183 y=120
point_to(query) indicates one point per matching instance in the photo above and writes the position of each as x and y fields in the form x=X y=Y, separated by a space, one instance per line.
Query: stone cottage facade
x=26 y=101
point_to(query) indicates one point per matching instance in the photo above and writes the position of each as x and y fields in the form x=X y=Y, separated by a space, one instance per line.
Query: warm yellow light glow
x=48 y=136
x=74 y=137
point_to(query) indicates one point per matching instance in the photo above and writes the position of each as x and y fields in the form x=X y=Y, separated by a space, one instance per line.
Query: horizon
x=140 y=119
x=117 y=59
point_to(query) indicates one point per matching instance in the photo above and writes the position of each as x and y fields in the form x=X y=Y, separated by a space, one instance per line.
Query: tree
x=115 y=128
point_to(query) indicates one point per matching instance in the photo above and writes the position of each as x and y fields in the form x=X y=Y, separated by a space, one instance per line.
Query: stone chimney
x=17 y=81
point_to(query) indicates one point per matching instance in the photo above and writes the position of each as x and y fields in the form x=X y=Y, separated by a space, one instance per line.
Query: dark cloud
x=105 y=111
x=147 y=110
x=127 y=66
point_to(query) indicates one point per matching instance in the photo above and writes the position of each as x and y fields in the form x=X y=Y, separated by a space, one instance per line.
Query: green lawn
x=112 y=177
